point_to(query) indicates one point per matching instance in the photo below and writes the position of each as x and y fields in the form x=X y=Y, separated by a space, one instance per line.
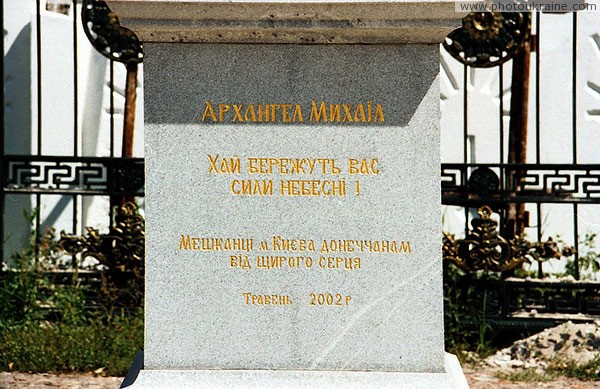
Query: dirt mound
x=568 y=341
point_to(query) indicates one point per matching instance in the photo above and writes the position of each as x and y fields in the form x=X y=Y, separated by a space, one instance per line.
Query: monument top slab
x=283 y=21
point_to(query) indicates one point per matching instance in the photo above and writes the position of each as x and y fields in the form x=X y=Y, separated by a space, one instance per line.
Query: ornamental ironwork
x=73 y=175
x=122 y=249
x=517 y=303
x=484 y=248
x=120 y=44
x=488 y=39
x=103 y=29
x=481 y=184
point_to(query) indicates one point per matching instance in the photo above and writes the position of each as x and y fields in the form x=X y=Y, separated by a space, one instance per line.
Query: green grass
x=589 y=371
x=525 y=375
x=72 y=347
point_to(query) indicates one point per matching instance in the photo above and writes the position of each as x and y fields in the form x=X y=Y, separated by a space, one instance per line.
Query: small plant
x=587 y=371
x=24 y=287
x=45 y=321
x=465 y=311
x=589 y=258
x=526 y=375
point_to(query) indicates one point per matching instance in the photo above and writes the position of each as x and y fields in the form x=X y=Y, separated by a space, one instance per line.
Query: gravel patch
x=568 y=341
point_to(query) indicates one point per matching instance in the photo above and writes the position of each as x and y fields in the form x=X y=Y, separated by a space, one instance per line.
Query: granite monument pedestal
x=292 y=194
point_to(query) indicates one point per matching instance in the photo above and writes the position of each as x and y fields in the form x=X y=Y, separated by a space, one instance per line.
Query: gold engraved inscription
x=329 y=300
x=266 y=299
x=319 y=112
x=280 y=253
x=309 y=177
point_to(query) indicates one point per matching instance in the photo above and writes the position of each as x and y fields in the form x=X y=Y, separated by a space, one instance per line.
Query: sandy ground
x=14 y=380
x=484 y=377
x=478 y=377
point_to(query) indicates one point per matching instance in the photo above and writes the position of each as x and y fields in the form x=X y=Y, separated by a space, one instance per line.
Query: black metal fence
x=30 y=173
x=519 y=186
x=535 y=170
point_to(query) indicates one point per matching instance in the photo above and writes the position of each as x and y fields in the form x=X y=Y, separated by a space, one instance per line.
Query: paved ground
x=479 y=378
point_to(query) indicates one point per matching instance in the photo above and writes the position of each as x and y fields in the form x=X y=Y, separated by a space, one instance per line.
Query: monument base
x=138 y=378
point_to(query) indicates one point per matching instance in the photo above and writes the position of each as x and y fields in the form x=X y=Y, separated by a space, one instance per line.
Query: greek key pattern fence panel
x=468 y=184
x=73 y=175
